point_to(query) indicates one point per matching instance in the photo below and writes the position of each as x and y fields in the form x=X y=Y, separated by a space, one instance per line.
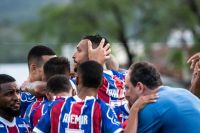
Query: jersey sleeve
x=110 y=122
x=26 y=100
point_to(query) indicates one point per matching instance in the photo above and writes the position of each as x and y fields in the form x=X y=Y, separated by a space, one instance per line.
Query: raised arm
x=193 y=60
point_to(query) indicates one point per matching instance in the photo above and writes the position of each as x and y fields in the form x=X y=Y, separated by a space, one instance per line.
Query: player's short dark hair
x=95 y=39
x=56 y=65
x=58 y=83
x=4 y=78
x=91 y=74
x=36 y=53
x=145 y=73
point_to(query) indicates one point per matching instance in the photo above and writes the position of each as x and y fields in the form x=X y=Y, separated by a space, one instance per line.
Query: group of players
x=97 y=97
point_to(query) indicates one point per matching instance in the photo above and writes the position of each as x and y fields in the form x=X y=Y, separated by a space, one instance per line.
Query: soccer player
x=56 y=65
x=10 y=107
x=82 y=112
x=176 y=111
x=37 y=56
x=112 y=90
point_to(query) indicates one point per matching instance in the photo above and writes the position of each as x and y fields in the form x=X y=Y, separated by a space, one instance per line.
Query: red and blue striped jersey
x=35 y=111
x=122 y=112
x=18 y=125
x=74 y=114
x=112 y=90
x=26 y=99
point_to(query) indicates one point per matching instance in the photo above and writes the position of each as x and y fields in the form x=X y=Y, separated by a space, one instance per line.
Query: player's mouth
x=16 y=105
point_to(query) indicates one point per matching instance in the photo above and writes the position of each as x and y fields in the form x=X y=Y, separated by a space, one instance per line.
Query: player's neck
x=6 y=116
x=63 y=94
x=153 y=91
x=85 y=91
x=31 y=79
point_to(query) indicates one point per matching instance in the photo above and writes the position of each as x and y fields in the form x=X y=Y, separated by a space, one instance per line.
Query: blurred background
x=165 y=33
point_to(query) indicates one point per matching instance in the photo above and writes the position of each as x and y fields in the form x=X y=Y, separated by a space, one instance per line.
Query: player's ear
x=33 y=67
x=140 y=87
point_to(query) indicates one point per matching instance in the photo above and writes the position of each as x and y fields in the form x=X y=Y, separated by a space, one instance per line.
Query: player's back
x=74 y=114
x=176 y=110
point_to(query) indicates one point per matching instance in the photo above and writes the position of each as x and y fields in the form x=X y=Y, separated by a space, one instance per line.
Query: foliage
x=119 y=20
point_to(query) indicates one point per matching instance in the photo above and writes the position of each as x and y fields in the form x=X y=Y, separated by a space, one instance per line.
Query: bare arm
x=195 y=81
x=36 y=88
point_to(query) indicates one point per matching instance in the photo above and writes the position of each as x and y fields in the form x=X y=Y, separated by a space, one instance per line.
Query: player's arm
x=195 y=81
x=193 y=60
x=136 y=107
x=36 y=88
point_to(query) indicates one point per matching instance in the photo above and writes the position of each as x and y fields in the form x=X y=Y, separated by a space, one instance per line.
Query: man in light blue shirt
x=176 y=111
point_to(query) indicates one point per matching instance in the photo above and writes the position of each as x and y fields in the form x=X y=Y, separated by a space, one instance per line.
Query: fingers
x=107 y=47
x=89 y=45
x=194 y=57
x=150 y=98
x=102 y=43
x=193 y=60
x=107 y=52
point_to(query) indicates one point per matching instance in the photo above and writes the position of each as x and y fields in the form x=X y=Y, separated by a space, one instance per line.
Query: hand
x=143 y=100
x=195 y=81
x=24 y=86
x=193 y=60
x=99 y=54
x=36 y=88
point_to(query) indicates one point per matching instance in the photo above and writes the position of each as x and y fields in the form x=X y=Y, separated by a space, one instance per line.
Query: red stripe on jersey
x=56 y=109
x=124 y=124
x=12 y=129
x=37 y=115
x=102 y=91
x=120 y=85
x=75 y=110
x=97 y=118
x=37 y=102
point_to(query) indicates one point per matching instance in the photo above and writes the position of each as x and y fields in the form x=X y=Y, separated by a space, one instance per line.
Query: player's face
x=131 y=91
x=10 y=99
x=39 y=70
x=81 y=53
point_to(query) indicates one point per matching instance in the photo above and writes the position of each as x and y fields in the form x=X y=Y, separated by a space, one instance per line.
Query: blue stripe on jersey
x=66 y=110
x=88 y=110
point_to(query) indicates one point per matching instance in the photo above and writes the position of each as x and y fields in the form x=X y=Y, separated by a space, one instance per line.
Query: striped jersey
x=112 y=91
x=27 y=99
x=122 y=112
x=18 y=125
x=75 y=115
x=35 y=111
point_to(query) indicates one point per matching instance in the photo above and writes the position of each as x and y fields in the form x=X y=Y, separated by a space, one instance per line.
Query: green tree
x=148 y=21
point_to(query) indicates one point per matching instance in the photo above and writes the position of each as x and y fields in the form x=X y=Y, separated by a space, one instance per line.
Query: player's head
x=9 y=97
x=58 y=84
x=90 y=74
x=37 y=56
x=56 y=65
x=142 y=77
x=81 y=53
